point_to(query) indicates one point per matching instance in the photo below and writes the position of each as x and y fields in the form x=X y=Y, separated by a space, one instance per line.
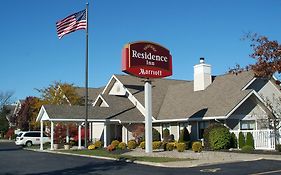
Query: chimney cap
x=202 y=60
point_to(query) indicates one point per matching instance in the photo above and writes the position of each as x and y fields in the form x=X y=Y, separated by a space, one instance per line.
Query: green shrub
x=196 y=146
x=132 y=144
x=98 y=144
x=122 y=146
x=115 y=143
x=250 y=140
x=184 y=135
x=181 y=147
x=166 y=134
x=155 y=135
x=156 y=144
x=142 y=145
x=170 y=146
x=233 y=140
x=241 y=140
x=219 y=138
x=91 y=147
x=207 y=132
x=247 y=149
x=278 y=147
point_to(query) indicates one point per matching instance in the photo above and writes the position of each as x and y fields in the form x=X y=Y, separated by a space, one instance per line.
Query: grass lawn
x=118 y=155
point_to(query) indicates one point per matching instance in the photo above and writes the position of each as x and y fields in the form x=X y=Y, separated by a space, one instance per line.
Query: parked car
x=29 y=138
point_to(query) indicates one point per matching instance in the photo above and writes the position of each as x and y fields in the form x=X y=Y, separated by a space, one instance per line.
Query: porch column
x=52 y=135
x=90 y=131
x=41 y=134
x=124 y=134
x=105 y=135
x=67 y=134
x=79 y=137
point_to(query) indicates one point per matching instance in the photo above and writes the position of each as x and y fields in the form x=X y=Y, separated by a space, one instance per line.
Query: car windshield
x=19 y=134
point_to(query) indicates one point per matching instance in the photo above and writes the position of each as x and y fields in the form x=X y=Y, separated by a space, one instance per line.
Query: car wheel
x=28 y=144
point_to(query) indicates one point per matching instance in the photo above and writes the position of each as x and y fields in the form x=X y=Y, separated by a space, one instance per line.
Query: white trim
x=134 y=100
x=248 y=84
x=82 y=120
x=113 y=76
x=240 y=103
x=190 y=119
x=103 y=100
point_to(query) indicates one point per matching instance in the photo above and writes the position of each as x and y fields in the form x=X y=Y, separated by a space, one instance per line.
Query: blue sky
x=32 y=56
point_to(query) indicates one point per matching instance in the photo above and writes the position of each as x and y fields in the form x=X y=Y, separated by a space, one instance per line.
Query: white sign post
x=148 y=116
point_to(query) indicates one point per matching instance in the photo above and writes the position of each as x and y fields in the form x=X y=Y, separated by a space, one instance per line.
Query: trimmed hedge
x=142 y=145
x=132 y=144
x=184 y=135
x=155 y=135
x=170 y=146
x=115 y=143
x=197 y=147
x=233 y=140
x=247 y=149
x=250 y=140
x=181 y=147
x=122 y=146
x=241 y=140
x=219 y=138
x=207 y=133
x=156 y=144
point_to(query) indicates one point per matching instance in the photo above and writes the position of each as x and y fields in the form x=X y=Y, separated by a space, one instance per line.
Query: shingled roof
x=121 y=109
x=92 y=92
x=176 y=99
x=216 y=100
x=171 y=99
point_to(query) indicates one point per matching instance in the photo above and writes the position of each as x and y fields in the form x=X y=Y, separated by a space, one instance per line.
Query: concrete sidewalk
x=203 y=158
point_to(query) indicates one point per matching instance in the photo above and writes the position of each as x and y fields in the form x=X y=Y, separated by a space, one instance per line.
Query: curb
x=100 y=157
x=166 y=164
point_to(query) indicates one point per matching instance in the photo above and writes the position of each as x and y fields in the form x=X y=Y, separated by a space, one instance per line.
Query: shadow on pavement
x=92 y=168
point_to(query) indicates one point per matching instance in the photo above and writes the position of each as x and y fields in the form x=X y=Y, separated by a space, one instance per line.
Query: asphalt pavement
x=15 y=160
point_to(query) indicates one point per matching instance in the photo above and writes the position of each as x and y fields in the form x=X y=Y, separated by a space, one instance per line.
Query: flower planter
x=56 y=146
x=67 y=147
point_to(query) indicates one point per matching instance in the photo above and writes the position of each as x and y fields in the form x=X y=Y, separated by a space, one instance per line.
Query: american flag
x=72 y=23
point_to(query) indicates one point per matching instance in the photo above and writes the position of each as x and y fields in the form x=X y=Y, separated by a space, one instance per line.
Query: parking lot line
x=267 y=172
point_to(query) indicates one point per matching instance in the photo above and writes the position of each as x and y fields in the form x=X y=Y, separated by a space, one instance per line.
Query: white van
x=28 y=138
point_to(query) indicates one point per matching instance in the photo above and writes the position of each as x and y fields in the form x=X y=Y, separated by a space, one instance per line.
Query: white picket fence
x=263 y=139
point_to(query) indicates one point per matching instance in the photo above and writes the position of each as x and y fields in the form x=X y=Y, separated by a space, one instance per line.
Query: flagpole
x=86 y=79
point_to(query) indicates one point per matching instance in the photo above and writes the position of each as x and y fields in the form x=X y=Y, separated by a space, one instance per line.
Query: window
x=247 y=124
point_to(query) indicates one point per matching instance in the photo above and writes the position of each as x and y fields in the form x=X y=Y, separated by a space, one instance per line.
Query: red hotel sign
x=146 y=60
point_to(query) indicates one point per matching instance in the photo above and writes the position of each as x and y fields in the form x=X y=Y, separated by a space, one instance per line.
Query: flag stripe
x=71 y=23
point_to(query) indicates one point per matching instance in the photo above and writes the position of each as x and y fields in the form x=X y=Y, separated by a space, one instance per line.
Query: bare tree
x=5 y=98
x=274 y=118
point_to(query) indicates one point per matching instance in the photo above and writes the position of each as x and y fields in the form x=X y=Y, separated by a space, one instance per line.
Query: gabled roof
x=171 y=100
x=159 y=89
x=216 y=100
x=120 y=110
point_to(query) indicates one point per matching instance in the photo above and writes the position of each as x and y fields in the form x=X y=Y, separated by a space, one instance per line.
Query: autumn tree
x=267 y=54
x=26 y=117
x=60 y=93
